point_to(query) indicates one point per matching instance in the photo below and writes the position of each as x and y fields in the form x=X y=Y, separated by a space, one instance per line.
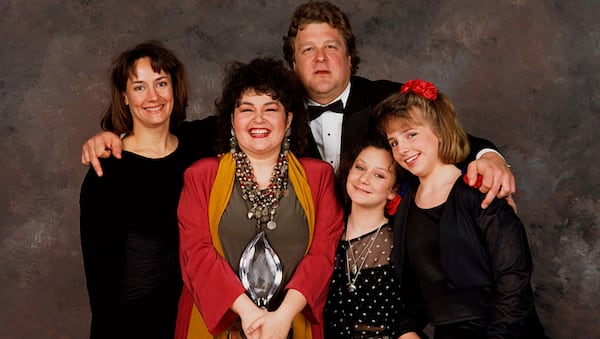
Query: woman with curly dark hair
x=267 y=76
x=258 y=226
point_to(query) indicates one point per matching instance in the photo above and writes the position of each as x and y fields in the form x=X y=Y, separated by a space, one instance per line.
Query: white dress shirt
x=327 y=130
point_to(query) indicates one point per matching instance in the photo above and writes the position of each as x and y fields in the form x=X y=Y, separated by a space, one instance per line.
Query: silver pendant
x=250 y=215
x=271 y=225
x=351 y=287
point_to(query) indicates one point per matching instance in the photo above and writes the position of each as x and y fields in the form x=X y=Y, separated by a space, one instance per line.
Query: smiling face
x=321 y=61
x=371 y=179
x=149 y=96
x=260 y=123
x=414 y=144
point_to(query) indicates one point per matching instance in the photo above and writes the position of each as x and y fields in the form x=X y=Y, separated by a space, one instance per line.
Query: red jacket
x=209 y=280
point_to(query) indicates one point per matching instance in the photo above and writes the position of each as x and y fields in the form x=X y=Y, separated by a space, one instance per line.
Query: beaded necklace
x=264 y=202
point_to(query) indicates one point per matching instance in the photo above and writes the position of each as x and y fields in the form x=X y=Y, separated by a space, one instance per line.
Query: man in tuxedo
x=321 y=48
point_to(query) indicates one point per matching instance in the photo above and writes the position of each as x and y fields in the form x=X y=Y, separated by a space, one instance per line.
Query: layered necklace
x=353 y=269
x=264 y=203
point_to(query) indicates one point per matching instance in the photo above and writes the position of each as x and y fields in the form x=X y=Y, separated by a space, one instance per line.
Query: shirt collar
x=344 y=97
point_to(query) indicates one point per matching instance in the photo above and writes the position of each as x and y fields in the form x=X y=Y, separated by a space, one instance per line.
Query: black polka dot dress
x=364 y=296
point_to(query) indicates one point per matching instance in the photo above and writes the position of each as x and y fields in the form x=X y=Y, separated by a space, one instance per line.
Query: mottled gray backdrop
x=522 y=73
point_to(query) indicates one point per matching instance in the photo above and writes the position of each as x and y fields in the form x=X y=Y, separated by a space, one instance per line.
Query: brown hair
x=117 y=117
x=320 y=12
x=347 y=159
x=439 y=114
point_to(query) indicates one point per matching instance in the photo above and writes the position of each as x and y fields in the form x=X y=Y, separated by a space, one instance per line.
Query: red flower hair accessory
x=391 y=207
x=420 y=87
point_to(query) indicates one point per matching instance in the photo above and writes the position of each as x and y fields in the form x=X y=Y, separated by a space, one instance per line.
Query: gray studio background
x=521 y=73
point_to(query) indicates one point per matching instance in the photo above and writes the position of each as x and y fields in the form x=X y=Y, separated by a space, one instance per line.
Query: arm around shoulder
x=497 y=179
x=101 y=145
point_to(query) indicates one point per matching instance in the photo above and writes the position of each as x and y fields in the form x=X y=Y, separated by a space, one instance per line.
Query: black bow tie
x=316 y=111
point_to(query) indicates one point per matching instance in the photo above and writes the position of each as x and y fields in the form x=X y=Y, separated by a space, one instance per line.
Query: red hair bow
x=420 y=87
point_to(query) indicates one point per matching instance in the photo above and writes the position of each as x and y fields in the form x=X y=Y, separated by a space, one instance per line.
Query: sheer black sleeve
x=510 y=259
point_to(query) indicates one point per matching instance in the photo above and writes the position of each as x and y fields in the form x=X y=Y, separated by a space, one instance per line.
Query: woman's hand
x=272 y=325
x=277 y=324
x=249 y=313
x=409 y=335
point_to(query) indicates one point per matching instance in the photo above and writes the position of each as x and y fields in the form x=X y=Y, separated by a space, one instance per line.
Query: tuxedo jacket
x=357 y=124
x=364 y=95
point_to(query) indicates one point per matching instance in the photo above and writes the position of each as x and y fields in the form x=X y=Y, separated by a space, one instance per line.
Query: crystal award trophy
x=260 y=270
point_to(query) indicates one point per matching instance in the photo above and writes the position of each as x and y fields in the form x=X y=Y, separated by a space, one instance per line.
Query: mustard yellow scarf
x=219 y=198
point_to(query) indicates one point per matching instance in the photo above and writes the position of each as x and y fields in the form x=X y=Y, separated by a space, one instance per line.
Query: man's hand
x=498 y=181
x=100 y=145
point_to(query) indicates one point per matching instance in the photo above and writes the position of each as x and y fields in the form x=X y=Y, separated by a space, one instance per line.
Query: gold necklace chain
x=355 y=270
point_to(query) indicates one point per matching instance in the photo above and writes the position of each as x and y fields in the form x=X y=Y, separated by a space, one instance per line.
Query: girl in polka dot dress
x=364 y=299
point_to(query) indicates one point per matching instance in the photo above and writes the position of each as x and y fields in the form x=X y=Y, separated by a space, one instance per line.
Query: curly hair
x=117 y=117
x=347 y=160
x=265 y=76
x=320 y=12
x=439 y=114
